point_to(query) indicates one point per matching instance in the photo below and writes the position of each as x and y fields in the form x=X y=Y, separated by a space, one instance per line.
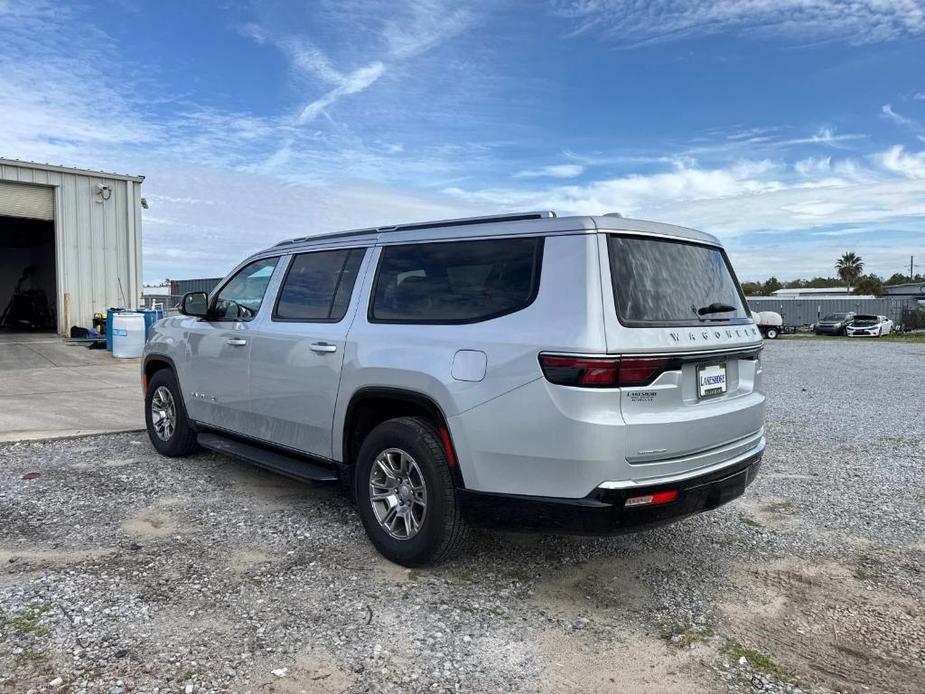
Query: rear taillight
x=603 y=372
x=652 y=499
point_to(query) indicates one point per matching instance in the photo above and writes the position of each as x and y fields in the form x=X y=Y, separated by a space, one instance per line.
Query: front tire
x=405 y=493
x=165 y=416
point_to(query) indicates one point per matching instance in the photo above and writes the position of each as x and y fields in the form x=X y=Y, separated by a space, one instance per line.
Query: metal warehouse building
x=70 y=245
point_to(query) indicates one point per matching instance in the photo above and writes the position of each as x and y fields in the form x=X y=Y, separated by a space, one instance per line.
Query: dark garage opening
x=27 y=274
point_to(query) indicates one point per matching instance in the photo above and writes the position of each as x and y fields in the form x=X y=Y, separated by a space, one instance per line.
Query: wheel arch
x=153 y=363
x=372 y=405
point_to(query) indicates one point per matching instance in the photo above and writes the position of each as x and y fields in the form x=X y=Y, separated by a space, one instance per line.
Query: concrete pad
x=52 y=389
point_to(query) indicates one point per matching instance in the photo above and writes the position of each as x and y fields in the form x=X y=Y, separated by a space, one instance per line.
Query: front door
x=216 y=379
x=298 y=351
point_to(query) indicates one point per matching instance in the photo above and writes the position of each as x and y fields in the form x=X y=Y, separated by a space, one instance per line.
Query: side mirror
x=195 y=304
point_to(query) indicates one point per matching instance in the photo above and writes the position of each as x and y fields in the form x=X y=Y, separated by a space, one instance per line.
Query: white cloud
x=895 y=159
x=859 y=21
x=748 y=196
x=354 y=83
x=554 y=171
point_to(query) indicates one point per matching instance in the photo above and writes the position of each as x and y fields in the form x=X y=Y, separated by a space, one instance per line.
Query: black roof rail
x=437 y=224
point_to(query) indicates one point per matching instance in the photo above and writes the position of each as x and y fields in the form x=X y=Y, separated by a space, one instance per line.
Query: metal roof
x=70 y=170
x=522 y=223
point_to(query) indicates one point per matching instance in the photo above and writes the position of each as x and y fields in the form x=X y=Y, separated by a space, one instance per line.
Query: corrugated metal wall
x=798 y=312
x=97 y=243
x=206 y=284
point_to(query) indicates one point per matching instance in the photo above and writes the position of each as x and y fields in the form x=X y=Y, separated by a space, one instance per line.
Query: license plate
x=711 y=380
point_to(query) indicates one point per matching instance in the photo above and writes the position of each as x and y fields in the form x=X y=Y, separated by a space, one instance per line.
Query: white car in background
x=869 y=326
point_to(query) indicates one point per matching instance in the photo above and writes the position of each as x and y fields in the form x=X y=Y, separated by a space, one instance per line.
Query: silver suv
x=580 y=374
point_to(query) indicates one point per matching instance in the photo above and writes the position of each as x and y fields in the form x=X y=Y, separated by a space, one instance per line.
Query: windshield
x=836 y=316
x=662 y=282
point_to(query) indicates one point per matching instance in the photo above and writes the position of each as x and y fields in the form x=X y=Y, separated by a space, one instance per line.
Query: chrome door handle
x=237 y=341
x=323 y=347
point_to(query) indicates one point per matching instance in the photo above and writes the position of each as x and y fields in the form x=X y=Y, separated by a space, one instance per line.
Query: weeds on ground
x=758 y=660
x=685 y=634
x=29 y=622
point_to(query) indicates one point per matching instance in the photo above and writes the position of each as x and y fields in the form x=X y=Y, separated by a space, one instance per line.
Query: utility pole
x=911 y=265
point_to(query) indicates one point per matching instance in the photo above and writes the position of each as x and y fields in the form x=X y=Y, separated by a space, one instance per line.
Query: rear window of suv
x=663 y=282
x=456 y=281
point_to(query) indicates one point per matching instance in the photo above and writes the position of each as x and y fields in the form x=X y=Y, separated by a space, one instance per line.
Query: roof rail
x=464 y=221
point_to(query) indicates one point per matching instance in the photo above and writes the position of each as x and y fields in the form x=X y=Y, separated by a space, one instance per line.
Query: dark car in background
x=834 y=324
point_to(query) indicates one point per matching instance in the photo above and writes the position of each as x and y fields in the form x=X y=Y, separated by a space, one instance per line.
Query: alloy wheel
x=163 y=413
x=398 y=493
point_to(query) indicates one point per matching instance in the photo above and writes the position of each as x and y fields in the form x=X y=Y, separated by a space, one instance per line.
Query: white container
x=128 y=335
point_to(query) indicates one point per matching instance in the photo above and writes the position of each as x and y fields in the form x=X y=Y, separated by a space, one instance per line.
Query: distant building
x=813 y=292
x=916 y=289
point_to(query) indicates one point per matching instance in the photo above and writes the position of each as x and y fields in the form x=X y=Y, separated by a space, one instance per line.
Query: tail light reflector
x=652 y=499
x=604 y=372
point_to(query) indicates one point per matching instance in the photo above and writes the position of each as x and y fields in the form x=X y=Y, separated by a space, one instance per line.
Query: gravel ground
x=121 y=571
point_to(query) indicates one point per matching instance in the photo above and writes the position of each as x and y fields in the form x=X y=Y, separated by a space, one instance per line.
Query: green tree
x=849 y=268
x=869 y=284
x=752 y=288
x=897 y=278
x=772 y=285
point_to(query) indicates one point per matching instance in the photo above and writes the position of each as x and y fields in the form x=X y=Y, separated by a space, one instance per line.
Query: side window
x=318 y=286
x=241 y=297
x=456 y=281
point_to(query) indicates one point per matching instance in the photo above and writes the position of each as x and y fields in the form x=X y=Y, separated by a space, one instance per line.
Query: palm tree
x=849 y=267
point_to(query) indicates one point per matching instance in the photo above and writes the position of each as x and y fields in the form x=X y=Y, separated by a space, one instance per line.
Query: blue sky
x=792 y=129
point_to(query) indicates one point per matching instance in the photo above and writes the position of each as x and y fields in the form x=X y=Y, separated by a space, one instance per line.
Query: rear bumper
x=603 y=512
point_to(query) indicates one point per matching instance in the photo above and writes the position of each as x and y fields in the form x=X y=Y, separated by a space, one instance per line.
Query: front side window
x=241 y=297
x=318 y=286
x=456 y=281
x=666 y=282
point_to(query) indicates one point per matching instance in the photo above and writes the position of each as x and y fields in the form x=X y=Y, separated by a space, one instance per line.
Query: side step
x=281 y=463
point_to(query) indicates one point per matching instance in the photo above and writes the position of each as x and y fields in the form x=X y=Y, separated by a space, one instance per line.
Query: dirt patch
x=636 y=663
x=822 y=623
x=315 y=672
x=774 y=513
x=600 y=587
x=150 y=523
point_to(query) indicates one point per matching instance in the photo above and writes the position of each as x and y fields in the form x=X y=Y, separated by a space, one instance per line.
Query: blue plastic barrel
x=152 y=316
x=109 y=314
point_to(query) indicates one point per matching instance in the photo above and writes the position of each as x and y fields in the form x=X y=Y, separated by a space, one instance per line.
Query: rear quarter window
x=455 y=281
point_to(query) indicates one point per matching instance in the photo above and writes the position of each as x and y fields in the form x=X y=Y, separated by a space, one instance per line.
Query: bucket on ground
x=128 y=334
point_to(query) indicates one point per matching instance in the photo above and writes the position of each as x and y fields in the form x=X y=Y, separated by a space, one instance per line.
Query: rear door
x=677 y=317
x=297 y=353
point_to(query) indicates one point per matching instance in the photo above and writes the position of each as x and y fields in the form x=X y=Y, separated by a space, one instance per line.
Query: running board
x=281 y=463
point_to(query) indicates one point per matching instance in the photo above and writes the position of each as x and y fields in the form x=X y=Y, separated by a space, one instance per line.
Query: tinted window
x=241 y=297
x=456 y=282
x=669 y=282
x=836 y=316
x=318 y=285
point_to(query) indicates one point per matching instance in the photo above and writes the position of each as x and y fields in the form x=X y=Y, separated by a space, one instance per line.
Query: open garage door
x=27 y=257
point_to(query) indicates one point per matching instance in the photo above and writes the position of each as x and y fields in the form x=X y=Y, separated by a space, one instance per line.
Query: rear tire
x=771 y=333
x=165 y=416
x=405 y=493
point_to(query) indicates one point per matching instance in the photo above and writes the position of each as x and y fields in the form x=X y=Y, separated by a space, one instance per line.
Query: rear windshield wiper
x=715 y=308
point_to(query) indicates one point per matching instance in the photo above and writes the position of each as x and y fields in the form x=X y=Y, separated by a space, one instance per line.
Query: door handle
x=322 y=347
x=237 y=341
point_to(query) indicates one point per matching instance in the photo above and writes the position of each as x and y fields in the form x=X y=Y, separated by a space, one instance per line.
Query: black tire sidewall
x=181 y=443
x=423 y=444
